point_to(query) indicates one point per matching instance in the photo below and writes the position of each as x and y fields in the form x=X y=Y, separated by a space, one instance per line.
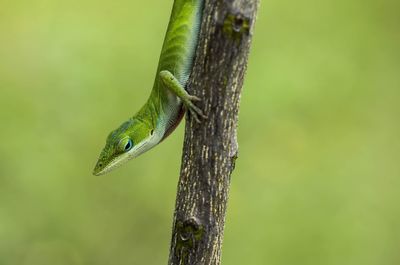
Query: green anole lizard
x=168 y=100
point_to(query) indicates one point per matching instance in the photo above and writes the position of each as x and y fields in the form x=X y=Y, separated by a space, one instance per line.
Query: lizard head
x=130 y=140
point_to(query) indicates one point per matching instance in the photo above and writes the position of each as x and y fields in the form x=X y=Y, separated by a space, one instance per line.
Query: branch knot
x=189 y=232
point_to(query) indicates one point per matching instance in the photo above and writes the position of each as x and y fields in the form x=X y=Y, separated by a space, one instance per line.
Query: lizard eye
x=128 y=146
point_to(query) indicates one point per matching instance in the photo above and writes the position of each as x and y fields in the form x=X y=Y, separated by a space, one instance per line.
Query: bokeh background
x=318 y=177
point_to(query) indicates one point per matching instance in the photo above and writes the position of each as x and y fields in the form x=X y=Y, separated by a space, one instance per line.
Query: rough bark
x=210 y=148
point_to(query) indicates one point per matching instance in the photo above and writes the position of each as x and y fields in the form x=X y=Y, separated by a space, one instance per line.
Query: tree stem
x=210 y=148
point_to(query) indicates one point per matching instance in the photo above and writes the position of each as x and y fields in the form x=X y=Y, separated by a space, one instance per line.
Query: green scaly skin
x=168 y=100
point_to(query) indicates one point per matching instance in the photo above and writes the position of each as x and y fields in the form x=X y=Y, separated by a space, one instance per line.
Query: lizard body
x=168 y=99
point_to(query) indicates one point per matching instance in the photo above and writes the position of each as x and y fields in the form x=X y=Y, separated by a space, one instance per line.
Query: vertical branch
x=210 y=148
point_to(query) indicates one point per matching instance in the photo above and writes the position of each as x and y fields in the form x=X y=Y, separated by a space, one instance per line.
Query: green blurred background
x=318 y=177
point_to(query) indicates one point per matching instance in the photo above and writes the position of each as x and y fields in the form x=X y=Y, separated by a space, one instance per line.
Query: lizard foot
x=193 y=110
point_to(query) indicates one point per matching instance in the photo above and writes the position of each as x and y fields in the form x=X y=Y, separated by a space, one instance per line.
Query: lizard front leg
x=169 y=81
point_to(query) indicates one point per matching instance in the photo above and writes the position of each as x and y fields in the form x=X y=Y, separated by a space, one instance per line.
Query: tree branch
x=210 y=148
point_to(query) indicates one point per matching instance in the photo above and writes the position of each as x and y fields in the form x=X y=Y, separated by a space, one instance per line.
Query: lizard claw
x=193 y=110
x=194 y=98
x=196 y=113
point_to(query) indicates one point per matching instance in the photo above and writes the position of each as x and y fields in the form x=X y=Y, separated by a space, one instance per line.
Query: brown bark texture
x=210 y=147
